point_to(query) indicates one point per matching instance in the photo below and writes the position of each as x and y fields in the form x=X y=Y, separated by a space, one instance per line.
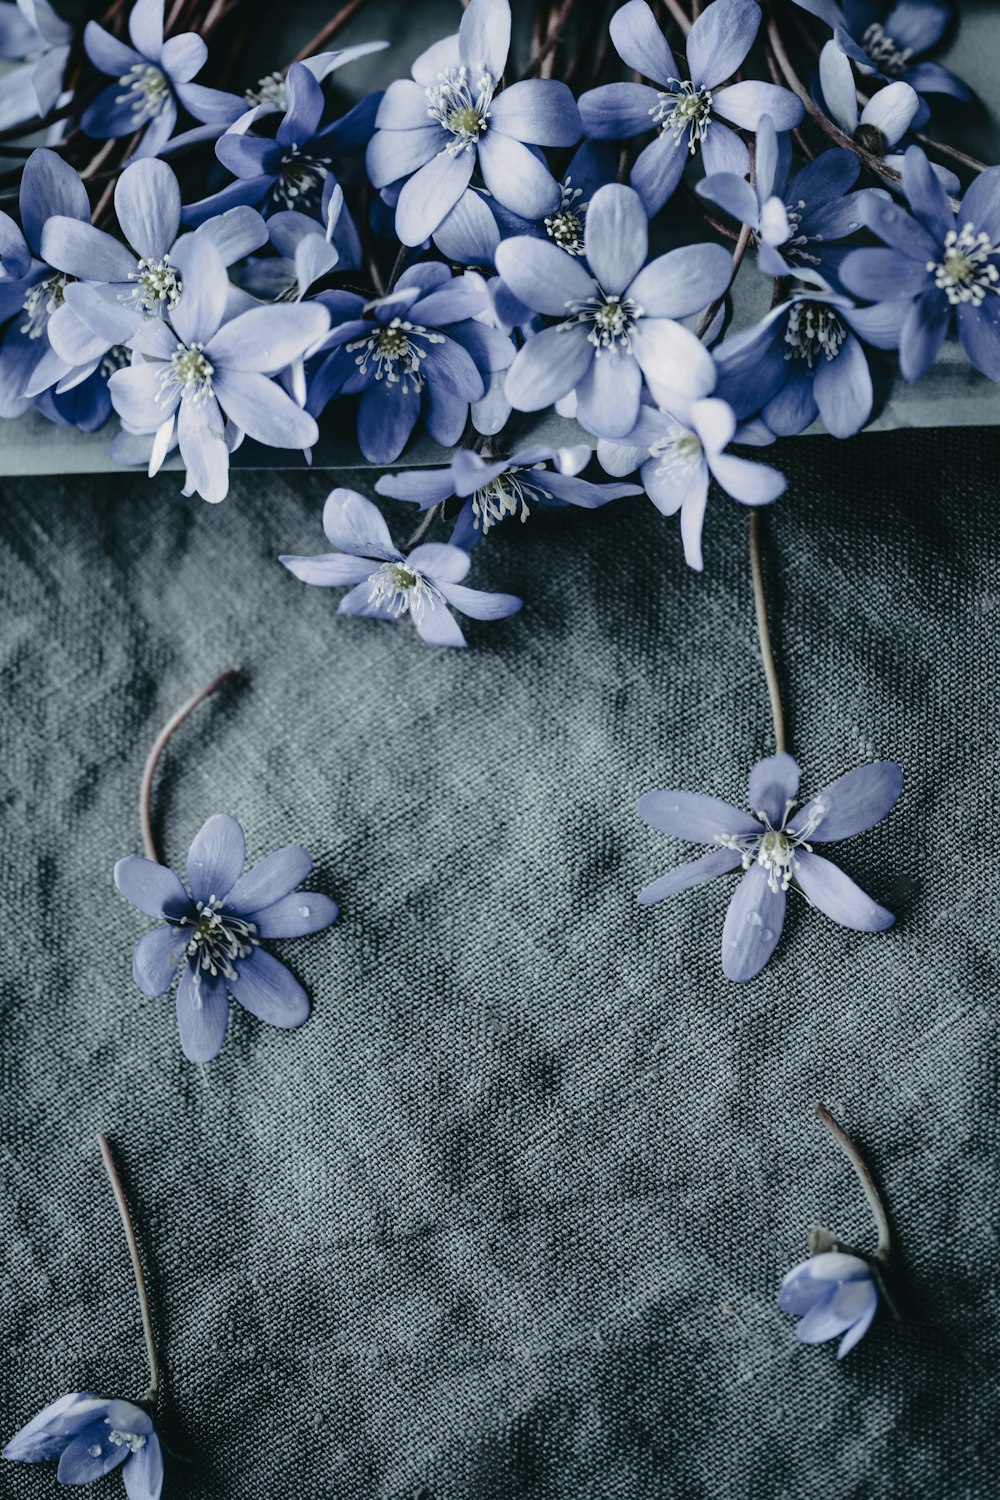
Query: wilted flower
x=833 y=1294
x=688 y=111
x=385 y=584
x=774 y=848
x=213 y=936
x=91 y=1436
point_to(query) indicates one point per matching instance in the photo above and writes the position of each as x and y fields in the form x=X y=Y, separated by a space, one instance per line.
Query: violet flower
x=212 y=937
x=385 y=584
x=32 y=34
x=833 y=1293
x=421 y=349
x=688 y=108
x=434 y=130
x=91 y=1436
x=943 y=267
x=618 y=315
x=151 y=78
x=677 y=448
x=774 y=848
x=211 y=376
x=487 y=491
x=890 y=39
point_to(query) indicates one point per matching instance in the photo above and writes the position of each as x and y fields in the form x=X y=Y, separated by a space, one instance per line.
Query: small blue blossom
x=688 y=107
x=151 y=77
x=890 y=39
x=488 y=491
x=774 y=848
x=435 y=129
x=212 y=937
x=943 y=268
x=425 y=348
x=91 y=1436
x=833 y=1293
x=32 y=34
x=307 y=249
x=884 y=120
x=384 y=583
x=677 y=448
x=618 y=315
x=796 y=221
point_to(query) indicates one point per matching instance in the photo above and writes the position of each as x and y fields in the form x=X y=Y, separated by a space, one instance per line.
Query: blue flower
x=213 y=935
x=804 y=359
x=307 y=249
x=942 y=267
x=421 y=348
x=90 y=1436
x=209 y=373
x=889 y=39
x=290 y=169
x=151 y=77
x=677 y=449
x=688 y=108
x=385 y=583
x=796 y=221
x=774 y=848
x=434 y=130
x=489 y=491
x=884 y=120
x=833 y=1293
x=618 y=315
x=31 y=31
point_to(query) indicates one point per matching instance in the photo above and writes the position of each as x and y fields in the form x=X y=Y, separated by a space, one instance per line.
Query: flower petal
x=550 y=365
x=206 y=288
x=440 y=562
x=670 y=353
x=477 y=604
x=516 y=177
x=156 y=957
x=431 y=193
x=143 y=1472
x=685 y=877
x=44 y=1437
x=851 y=804
x=202 y=1014
x=720 y=39
x=145 y=27
x=774 y=788
x=264 y=987
x=263 y=410
x=270 y=879
x=542 y=276
x=153 y=888
x=615 y=111
x=438 y=627
x=148 y=205
x=90 y=1455
x=49 y=186
x=296 y=915
x=694 y=816
x=657 y=170
x=484 y=38
x=753 y=925
x=617 y=236
x=640 y=43
x=538 y=111
x=683 y=281
x=328 y=570
x=356 y=526
x=745 y=104
x=216 y=858
x=837 y=896
x=83 y=251
x=607 y=398
x=843 y=389
x=201 y=439
x=892 y=111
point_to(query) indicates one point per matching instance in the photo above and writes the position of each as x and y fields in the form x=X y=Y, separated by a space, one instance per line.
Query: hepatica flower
x=773 y=846
x=834 y=1294
x=618 y=315
x=942 y=268
x=91 y=1436
x=385 y=584
x=32 y=34
x=434 y=130
x=891 y=39
x=212 y=937
x=687 y=107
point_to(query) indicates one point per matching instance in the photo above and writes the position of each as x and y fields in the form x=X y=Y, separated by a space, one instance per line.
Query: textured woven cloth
x=506 y=1219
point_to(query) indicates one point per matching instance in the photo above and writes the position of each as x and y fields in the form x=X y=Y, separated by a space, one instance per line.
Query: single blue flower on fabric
x=805 y=359
x=151 y=78
x=421 y=349
x=677 y=448
x=212 y=937
x=796 y=218
x=688 y=108
x=890 y=39
x=90 y=1436
x=618 y=315
x=833 y=1293
x=774 y=848
x=32 y=33
x=209 y=376
x=435 y=129
x=942 y=268
x=384 y=583
x=487 y=491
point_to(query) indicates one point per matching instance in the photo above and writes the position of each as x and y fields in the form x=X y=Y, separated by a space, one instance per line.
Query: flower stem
x=871 y=1192
x=159 y=745
x=426 y=522
x=679 y=14
x=764 y=634
x=324 y=37
x=140 y=1281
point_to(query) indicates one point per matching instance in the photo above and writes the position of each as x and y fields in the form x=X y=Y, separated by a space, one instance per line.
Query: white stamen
x=775 y=849
x=813 y=331
x=190 y=369
x=506 y=495
x=270 y=90
x=300 y=181
x=565 y=226
x=684 y=108
x=678 y=449
x=396 y=588
x=966 y=272
x=131 y=1440
x=396 y=351
x=158 y=287
x=612 y=320
x=883 y=51
x=218 y=939
x=461 y=107
x=42 y=300
x=146 y=90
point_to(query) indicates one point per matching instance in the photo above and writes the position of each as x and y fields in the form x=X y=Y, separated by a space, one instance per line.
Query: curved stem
x=764 y=635
x=680 y=15
x=871 y=1192
x=427 y=520
x=340 y=20
x=742 y=245
x=140 y=1281
x=159 y=745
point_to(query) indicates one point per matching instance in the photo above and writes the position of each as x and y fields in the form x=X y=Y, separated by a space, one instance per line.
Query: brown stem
x=764 y=634
x=340 y=20
x=939 y=148
x=680 y=15
x=426 y=522
x=742 y=243
x=871 y=1192
x=140 y=1281
x=159 y=745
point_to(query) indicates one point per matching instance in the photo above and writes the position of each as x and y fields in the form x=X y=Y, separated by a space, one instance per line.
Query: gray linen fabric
x=507 y=1217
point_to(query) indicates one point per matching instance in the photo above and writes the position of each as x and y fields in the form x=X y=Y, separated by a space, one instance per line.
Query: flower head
x=773 y=846
x=435 y=129
x=833 y=1293
x=212 y=936
x=90 y=1436
x=889 y=38
x=385 y=584
x=688 y=106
